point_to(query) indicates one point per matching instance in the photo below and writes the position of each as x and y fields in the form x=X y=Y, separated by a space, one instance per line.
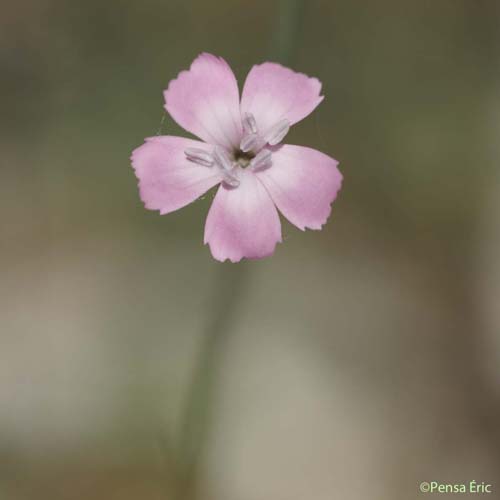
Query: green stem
x=284 y=46
x=195 y=423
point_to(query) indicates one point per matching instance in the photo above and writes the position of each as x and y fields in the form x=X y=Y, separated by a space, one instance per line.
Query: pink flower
x=241 y=151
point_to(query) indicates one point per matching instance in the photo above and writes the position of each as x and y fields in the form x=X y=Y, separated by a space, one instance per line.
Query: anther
x=199 y=156
x=251 y=142
x=249 y=124
x=277 y=132
x=221 y=156
x=231 y=180
x=262 y=160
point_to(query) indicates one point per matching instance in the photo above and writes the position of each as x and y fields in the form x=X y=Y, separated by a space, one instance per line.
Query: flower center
x=251 y=154
x=242 y=158
x=229 y=164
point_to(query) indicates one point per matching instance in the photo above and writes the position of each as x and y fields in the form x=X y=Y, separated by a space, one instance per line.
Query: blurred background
x=355 y=363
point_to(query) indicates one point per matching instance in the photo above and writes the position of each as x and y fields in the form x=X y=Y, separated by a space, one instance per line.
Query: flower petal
x=242 y=221
x=205 y=101
x=272 y=93
x=302 y=182
x=167 y=179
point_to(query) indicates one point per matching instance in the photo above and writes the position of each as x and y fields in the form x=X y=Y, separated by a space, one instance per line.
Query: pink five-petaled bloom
x=242 y=152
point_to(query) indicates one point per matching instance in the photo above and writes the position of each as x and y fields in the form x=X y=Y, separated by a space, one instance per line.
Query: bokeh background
x=355 y=363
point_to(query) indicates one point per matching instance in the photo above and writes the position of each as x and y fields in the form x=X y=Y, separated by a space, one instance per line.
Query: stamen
x=254 y=141
x=277 y=132
x=231 y=180
x=199 y=156
x=219 y=156
x=262 y=160
x=251 y=142
x=249 y=124
x=222 y=157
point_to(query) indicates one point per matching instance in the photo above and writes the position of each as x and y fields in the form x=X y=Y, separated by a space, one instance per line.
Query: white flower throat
x=252 y=152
